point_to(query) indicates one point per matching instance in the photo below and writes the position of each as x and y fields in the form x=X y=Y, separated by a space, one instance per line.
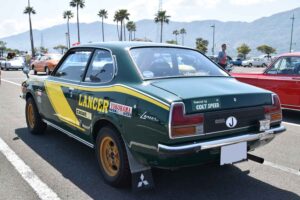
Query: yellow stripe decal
x=116 y=88
x=60 y=104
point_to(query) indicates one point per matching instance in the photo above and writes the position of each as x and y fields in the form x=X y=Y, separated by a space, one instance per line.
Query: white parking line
x=7 y=81
x=282 y=168
x=42 y=190
x=292 y=124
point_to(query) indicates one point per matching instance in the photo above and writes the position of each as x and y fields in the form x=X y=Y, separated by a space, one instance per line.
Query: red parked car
x=281 y=77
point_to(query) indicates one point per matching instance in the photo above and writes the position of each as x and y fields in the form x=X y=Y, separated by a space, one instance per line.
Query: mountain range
x=274 y=30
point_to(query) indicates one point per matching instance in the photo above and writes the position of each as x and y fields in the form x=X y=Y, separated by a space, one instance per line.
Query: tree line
x=243 y=50
x=121 y=17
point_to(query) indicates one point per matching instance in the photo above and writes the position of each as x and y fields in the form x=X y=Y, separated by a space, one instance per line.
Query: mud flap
x=141 y=175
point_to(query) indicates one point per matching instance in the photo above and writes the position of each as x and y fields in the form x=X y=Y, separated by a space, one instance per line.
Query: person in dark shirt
x=222 y=57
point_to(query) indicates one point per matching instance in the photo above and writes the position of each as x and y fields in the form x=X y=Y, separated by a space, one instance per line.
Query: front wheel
x=33 y=119
x=112 y=157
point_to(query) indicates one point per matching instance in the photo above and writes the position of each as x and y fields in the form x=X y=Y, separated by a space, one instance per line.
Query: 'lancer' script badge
x=231 y=122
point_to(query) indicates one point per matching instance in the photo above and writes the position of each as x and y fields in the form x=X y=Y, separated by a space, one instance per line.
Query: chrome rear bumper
x=196 y=147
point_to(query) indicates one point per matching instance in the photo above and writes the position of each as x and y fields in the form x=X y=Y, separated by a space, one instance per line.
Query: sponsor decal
x=84 y=114
x=146 y=116
x=93 y=103
x=206 y=104
x=231 y=122
x=120 y=109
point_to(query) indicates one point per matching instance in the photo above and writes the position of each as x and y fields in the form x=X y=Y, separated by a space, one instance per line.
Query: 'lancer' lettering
x=93 y=103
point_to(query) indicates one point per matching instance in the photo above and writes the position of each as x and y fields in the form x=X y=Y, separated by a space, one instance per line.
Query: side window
x=101 y=69
x=74 y=65
x=274 y=69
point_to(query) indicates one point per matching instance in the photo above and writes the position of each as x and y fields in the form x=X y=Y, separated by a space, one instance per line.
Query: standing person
x=222 y=57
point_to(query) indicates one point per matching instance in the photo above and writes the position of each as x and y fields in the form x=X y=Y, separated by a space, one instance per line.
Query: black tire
x=47 y=70
x=33 y=119
x=34 y=71
x=123 y=176
x=250 y=64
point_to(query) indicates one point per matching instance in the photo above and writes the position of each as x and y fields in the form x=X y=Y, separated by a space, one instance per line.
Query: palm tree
x=182 y=32
x=30 y=11
x=117 y=19
x=2 y=48
x=103 y=15
x=161 y=18
x=131 y=27
x=78 y=4
x=176 y=33
x=68 y=15
x=122 y=15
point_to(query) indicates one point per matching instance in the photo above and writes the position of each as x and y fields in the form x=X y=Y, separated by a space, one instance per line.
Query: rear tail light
x=273 y=112
x=182 y=125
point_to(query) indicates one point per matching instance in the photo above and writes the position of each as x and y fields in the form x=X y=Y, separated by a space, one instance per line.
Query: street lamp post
x=213 y=44
x=292 y=31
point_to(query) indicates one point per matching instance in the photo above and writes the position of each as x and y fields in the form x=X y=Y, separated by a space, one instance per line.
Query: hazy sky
x=49 y=12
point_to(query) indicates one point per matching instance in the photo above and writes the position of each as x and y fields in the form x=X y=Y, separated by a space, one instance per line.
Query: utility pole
x=292 y=32
x=213 y=44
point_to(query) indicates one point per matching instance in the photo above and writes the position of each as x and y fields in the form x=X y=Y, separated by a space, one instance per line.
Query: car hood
x=226 y=91
x=16 y=62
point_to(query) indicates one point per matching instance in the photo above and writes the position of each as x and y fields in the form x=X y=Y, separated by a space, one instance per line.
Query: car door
x=93 y=98
x=283 y=78
x=61 y=89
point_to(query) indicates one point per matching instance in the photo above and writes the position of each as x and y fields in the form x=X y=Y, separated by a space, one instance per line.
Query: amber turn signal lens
x=276 y=117
x=183 y=131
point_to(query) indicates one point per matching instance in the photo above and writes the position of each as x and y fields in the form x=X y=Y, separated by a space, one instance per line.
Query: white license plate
x=264 y=125
x=233 y=153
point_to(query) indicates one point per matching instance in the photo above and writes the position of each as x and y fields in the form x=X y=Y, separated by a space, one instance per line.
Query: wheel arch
x=29 y=95
x=100 y=123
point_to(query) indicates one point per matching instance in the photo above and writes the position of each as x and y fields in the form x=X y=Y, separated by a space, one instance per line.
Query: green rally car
x=144 y=105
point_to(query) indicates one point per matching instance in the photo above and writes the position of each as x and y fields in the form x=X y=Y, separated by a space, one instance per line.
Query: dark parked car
x=147 y=105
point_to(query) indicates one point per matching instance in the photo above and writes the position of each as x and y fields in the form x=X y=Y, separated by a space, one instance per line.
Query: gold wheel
x=109 y=156
x=30 y=115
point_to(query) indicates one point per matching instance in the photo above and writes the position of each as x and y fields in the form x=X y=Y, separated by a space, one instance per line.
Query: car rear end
x=201 y=137
x=216 y=118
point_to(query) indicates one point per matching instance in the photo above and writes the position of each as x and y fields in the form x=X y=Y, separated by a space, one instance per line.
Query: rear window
x=161 y=62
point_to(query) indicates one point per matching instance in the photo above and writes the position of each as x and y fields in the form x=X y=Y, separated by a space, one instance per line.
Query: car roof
x=126 y=45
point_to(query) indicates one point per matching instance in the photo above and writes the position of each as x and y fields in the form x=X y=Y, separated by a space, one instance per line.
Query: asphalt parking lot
x=67 y=169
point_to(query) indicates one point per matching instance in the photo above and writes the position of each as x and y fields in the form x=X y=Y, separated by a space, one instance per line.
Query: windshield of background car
x=161 y=62
x=55 y=57
x=286 y=65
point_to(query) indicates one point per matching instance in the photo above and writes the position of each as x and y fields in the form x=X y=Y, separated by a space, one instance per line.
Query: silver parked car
x=15 y=63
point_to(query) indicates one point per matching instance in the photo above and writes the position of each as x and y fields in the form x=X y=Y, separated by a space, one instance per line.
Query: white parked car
x=257 y=62
x=15 y=63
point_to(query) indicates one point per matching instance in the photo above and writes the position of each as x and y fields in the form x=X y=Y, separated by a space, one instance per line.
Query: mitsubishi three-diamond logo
x=143 y=181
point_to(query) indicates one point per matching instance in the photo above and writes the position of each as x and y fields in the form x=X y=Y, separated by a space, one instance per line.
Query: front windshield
x=161 y=62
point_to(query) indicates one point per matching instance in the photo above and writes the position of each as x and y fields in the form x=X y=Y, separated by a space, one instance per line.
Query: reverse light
x=182 y=125
x=273 y=112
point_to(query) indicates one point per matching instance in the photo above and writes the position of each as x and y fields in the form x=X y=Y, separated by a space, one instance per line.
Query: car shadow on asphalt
x=291 y=116
x=77 y=163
